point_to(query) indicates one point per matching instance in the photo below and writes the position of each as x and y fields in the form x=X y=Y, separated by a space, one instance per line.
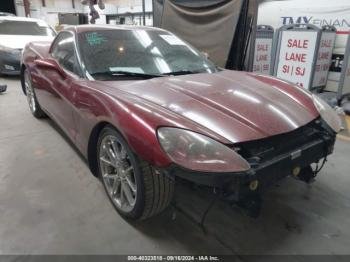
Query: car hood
x=19 y=41
x=238 y=106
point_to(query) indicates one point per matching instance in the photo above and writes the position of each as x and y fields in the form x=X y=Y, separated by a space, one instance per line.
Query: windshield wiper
x=125 y=73
x=181 y=72
x=142 y=75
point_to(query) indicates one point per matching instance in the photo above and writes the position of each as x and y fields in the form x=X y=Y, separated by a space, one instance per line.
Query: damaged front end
x=274 y=158
x=271 y=159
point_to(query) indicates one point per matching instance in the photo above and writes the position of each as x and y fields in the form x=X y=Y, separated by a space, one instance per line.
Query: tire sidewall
x=137 y=211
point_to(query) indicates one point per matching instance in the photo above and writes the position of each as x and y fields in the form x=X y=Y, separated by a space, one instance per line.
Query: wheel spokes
x=116 y=186
x=125 y=189
x=110 y=176
x=114 y=148
x=30 y=94
x=118 y=173
x=110 y=154
x=118 y=150
x=106 y=161
x=131 y=184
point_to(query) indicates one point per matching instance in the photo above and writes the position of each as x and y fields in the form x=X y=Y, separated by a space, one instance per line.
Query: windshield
x=8 y=27
x=148 y=52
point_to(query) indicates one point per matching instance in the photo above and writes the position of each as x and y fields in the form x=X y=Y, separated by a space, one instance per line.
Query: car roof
x=6 y=14
x=86 y=28
x=22 y=19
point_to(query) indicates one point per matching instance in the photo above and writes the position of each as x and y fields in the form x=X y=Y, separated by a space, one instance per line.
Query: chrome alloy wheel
x=117 y=173
x=29 y=92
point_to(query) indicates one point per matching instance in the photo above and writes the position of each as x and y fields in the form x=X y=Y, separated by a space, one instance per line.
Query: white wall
x=50 y=12
x=53 y=7
x=122 y=7
x=132 y=6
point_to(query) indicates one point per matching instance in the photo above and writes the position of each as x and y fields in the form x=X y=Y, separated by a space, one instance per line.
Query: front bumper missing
x=270 y=172
x=237 y=186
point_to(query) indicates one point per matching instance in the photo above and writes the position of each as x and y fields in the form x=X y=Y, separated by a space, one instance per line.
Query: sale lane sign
x=344 y=84
x=262 y=56
x=263 y=49
x=324 y=58
x=296 y=56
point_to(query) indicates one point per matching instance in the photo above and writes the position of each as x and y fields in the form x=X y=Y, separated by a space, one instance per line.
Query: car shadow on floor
x=10 y=77
x=271 y=233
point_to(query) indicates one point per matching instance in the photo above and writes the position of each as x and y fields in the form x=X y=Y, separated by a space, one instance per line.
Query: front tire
x=135 y=189
x=31 y=97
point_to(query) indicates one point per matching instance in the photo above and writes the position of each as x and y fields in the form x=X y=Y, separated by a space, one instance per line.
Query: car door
x=59 y=101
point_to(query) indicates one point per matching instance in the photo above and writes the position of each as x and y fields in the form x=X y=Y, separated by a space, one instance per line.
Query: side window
x=64 y=52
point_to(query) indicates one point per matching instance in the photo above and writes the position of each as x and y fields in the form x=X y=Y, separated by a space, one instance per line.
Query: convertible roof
x=86 y=28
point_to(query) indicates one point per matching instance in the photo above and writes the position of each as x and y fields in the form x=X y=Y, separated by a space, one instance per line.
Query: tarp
x=209 y=25
x=157 y=12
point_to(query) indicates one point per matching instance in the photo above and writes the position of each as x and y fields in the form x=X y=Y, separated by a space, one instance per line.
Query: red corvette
x=145 y=108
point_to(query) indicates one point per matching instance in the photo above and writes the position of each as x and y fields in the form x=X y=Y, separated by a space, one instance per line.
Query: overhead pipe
x=26 y=5
x=144 y=12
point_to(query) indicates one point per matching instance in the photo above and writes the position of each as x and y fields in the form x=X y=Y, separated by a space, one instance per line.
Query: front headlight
x=198 y=152
x=9 y=50
x=327 y=113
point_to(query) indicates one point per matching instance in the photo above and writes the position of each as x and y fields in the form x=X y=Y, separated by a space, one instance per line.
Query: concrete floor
x=51 y=204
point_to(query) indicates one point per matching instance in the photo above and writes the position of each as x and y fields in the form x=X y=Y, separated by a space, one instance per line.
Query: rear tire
x=31 y=97
x=119 y=168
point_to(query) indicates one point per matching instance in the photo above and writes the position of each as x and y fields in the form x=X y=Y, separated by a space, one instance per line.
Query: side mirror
x=50 y=64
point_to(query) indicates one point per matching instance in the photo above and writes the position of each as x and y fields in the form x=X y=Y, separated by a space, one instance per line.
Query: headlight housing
x=327 y=113
x=198 y=152
x=9 y=50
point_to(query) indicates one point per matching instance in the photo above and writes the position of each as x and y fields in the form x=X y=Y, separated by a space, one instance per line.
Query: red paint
x=261 y=58
x=326 y=43
x=343 y=32
x=296 y=57
x=324 y=56
x=303 y=44
x=228 y=106
x=263 y=48
x=300 y=71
